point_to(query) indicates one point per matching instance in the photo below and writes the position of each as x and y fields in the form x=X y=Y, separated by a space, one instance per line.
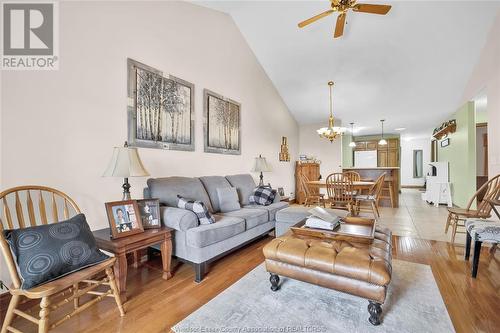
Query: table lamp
x=261 y=166
x=125 y=163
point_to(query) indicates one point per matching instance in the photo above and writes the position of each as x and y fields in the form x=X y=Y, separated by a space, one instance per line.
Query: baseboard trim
x=419 y=187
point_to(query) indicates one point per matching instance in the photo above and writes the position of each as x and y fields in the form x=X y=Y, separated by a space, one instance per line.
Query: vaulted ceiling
x=409 y=67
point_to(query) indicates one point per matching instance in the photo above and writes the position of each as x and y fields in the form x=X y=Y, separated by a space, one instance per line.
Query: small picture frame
x=445 y=142
x=124 y=218
x=281 y=191
x=149 y=211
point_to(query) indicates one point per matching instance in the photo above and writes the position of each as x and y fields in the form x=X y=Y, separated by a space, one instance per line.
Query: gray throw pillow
x=228 y=199
x=47 y=252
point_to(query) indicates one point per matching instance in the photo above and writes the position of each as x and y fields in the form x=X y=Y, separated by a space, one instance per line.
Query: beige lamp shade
x=125 y=163
x=261 y=165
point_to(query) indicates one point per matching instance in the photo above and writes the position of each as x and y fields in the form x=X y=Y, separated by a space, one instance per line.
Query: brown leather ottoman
x=359 y=269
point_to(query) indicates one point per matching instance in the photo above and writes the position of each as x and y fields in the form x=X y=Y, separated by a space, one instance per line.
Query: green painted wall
x=347 y=155
x=461 y=155
x=481 y=117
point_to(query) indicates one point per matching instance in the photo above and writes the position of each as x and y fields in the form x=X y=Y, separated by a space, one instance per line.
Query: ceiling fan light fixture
x=342 y=7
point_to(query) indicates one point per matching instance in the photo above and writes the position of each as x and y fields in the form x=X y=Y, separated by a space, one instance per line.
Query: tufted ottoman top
x=366 y=262
x=483 y=230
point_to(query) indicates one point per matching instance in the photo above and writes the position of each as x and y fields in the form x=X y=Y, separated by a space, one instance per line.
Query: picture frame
x=124 y=219
x=221 y=124
x=160 y=109
x=281 y=191
x=149 y=212
x=445 y=142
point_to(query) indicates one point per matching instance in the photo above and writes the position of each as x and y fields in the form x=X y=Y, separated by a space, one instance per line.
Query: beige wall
x=486 y=75
x=330 y=154
x=59 y=127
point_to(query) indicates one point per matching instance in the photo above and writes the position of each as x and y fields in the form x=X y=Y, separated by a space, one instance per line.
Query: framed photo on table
x=124 y=218
x=149 y=210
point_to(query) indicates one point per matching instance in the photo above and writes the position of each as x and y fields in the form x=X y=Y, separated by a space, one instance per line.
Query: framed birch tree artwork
x=221 y=124
x=160 y=109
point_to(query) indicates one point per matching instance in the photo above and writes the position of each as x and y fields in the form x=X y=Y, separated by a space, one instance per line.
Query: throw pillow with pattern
x=47 y=252
x=262 y=195
x=197 y=207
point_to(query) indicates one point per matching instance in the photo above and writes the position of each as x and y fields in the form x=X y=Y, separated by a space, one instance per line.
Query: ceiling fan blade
x=339 y=27
x=372 y=9
x=315 y=18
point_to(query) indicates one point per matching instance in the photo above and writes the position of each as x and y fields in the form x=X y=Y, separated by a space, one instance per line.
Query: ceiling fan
x=342 y=6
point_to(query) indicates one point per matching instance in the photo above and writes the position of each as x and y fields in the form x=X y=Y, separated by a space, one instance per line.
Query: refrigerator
x=365 y=159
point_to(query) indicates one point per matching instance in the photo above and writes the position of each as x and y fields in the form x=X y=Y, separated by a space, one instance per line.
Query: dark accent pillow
x=197 y=207
x=48 y=252
x=262 y=195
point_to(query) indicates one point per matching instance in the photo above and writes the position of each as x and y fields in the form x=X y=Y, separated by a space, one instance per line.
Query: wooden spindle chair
x=372 y=198
x=340 y=192
x=457 y=216
x=54 y=294
x=310 y=196
x=352 y=175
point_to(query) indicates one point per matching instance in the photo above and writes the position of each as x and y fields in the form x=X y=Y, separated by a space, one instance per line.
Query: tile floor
x=416 y=218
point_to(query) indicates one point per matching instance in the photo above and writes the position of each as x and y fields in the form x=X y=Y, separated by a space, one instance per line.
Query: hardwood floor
x=155 y=304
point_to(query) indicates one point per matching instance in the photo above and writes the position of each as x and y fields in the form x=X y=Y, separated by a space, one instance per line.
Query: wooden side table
x=121 y=246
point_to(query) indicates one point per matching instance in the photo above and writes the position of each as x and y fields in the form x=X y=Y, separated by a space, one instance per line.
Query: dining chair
x=372 y=198
x=352 y=175
x=310 y=196
x=32 y=200
x=340 y=192
x=457 y=216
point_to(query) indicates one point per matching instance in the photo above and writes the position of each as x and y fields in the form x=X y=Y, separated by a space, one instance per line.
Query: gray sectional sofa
x=201 y=244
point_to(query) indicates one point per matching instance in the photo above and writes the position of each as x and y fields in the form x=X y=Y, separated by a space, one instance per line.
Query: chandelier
x=331 y=132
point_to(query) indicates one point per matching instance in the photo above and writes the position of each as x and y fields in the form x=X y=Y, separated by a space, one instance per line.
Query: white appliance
x=438 y=187
x=365 y=159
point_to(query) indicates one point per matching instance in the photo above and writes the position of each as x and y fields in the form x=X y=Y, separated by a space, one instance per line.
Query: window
x=418 y=164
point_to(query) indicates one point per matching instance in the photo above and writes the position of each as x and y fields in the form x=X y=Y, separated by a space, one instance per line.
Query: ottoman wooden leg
x=375 y=311
x=275 y=280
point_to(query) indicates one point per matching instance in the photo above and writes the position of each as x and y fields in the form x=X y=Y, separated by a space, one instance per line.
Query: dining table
x=357 y=185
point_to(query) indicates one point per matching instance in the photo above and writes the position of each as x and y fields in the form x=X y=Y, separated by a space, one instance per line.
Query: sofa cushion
x=228 y=199
x=178 y=218
x=197 y=207
x=252 y=217
x=224 y=227
x=211 y=184
x=272 y=209
x=167 y=189
x=244 y=184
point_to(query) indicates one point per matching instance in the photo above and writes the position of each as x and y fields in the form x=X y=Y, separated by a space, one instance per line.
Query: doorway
x=481 y=120
x=481 y=154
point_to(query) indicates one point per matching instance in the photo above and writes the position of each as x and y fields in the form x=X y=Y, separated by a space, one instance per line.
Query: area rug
x=413 y=304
